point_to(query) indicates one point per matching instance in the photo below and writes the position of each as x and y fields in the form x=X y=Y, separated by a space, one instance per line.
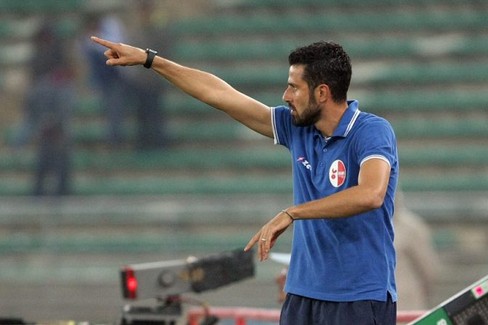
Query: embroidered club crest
x=337 y=173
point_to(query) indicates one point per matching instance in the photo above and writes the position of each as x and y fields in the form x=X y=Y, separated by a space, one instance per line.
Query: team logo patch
x=304 y=162
x=337 y=173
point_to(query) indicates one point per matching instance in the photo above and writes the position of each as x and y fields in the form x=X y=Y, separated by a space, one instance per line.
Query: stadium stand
x=407 y=67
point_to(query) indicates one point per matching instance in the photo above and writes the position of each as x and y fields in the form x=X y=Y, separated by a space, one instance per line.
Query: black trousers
x=299 y=310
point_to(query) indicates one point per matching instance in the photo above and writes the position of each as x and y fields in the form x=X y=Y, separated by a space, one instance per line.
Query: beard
x=309 y=116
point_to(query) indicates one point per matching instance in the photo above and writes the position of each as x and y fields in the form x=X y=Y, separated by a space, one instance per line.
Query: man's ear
x=322 y=93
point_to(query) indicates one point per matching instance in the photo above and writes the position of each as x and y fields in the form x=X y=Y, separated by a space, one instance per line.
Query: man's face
x=304 y=108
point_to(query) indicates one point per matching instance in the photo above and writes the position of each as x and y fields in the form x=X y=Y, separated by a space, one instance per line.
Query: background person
x=48 y=107
x=417 y=260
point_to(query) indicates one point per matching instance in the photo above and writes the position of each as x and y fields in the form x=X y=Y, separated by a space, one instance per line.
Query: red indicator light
x=130 y=284
x=479 y=291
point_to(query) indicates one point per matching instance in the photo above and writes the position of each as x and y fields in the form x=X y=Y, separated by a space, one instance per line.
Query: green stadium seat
x=441 y=128
x=386 y=74
x=208 y=159
x=11 y=55
x=420 y=74
x=369 y=21
x=425 y=101
x=15 y=28
x=385 y=47
x=246 y=184
x=443 y=156
x=376 y=101
x=38 y=6
x=163 y=185
x=205 y=159
x=95 y=132
x=257 y=4
x=86 y=243
x=445 y=183
x=218 y=131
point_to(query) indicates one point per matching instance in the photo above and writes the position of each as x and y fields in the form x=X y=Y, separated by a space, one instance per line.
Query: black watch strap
x=150 y=58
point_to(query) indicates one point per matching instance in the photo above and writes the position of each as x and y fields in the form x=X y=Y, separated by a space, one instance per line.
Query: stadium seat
x=369 y=21
x=393 y=47
x=39 y=6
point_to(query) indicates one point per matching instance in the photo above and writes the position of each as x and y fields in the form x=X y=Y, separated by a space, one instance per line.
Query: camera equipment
x=166 y=280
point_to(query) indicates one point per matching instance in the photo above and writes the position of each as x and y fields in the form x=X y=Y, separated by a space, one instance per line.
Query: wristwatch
x=150 y=58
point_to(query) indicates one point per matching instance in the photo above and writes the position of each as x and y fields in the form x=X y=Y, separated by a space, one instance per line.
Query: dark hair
x=325 y=63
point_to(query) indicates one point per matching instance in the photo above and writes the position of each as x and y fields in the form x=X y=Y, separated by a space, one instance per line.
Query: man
x=418 y=263
x=345 y=171
x=48 y=106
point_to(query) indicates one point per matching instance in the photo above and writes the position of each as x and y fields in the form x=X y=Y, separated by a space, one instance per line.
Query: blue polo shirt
x=340 y=259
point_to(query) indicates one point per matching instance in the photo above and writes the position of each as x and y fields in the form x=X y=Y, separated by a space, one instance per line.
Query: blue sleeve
x=377 y=141
x=281 y=119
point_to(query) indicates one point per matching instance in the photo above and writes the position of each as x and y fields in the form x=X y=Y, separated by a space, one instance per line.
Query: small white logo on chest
x=305 y=163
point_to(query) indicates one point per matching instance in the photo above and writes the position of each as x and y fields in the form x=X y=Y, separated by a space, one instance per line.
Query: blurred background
x=105 y=167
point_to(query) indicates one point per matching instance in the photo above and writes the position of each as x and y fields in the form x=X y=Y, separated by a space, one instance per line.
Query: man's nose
x=286 y=97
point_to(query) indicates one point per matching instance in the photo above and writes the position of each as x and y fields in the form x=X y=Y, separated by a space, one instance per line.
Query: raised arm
x=201 y=85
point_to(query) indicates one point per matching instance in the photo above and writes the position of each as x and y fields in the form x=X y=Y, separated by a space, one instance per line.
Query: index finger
x=251 y=242
x=103 y=42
